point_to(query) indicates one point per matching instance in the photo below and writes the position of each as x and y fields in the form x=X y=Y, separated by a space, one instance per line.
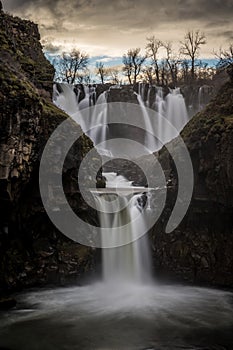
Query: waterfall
x=95 y=126
x=129 y=264
x=160 y=107
x=98 y=134
x=150 y=141
x=204 y=95
x=89 y=99
x=159 y=101
x=176 y=113
x=141 y=90
x=170 y=109
x=200 y=99
x=68 y=97
x=148 y=97
x=65 y=99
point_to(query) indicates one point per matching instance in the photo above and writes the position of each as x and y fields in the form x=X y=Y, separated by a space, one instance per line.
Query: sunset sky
x=107 y=28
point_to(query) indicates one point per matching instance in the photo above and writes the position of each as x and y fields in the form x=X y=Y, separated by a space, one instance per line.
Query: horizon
x=115 y=62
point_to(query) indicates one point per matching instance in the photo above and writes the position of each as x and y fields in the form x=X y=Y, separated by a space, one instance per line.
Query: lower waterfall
x=129 y=263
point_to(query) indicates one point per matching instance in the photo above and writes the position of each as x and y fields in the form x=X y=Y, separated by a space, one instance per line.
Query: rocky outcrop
x=200 y=249
x=32 y=250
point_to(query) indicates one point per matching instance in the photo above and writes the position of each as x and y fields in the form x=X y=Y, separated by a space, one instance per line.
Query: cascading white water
x=66 y=100
x=159 y=101
x=160 y=107
x=89 y=99
x=94 y=125
x=200 y=105
x=150 y=141
x=170 y=109
x=148 y=97
x=205 y=93
x=129 y=264
x=99 y=133
x=175 y=109
x=175 y=112
x=141 y=90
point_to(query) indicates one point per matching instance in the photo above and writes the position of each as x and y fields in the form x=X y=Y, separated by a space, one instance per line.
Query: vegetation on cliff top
x=21 y=50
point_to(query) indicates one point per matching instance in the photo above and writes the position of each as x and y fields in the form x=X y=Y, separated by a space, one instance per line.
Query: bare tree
x=172 y=62
x=71 y=65
x=204 y=72
x=127 y=67
x=152 y=48
x=148 y=74
x=225 y=58
x=190 y=47
x=184 y=70
x=165 y=72
x=133 y=62
x=114 y=73
x=101 y=71
x=84 y=77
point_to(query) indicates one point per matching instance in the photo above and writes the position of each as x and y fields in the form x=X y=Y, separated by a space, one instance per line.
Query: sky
x=106 y=29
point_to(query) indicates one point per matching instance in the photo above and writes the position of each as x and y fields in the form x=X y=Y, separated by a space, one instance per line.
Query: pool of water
x=120 y=317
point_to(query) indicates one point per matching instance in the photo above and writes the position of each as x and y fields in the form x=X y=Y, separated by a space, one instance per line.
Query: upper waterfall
x=169 y=109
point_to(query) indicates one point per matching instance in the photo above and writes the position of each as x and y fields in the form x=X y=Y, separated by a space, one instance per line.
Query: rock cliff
x=200 y=249
x=32 y=251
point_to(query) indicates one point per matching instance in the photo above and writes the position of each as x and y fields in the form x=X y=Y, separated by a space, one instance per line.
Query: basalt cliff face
x=200 y=249
x=32 y=250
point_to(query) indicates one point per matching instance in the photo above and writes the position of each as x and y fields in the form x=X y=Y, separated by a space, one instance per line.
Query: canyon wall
x=33 y=252
x=200 y=249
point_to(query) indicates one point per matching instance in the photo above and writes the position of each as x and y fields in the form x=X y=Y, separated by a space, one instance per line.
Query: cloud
x=115 y=26
x=227 y=34
x=50 y=47
x=121 y=11
x=107 y=59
